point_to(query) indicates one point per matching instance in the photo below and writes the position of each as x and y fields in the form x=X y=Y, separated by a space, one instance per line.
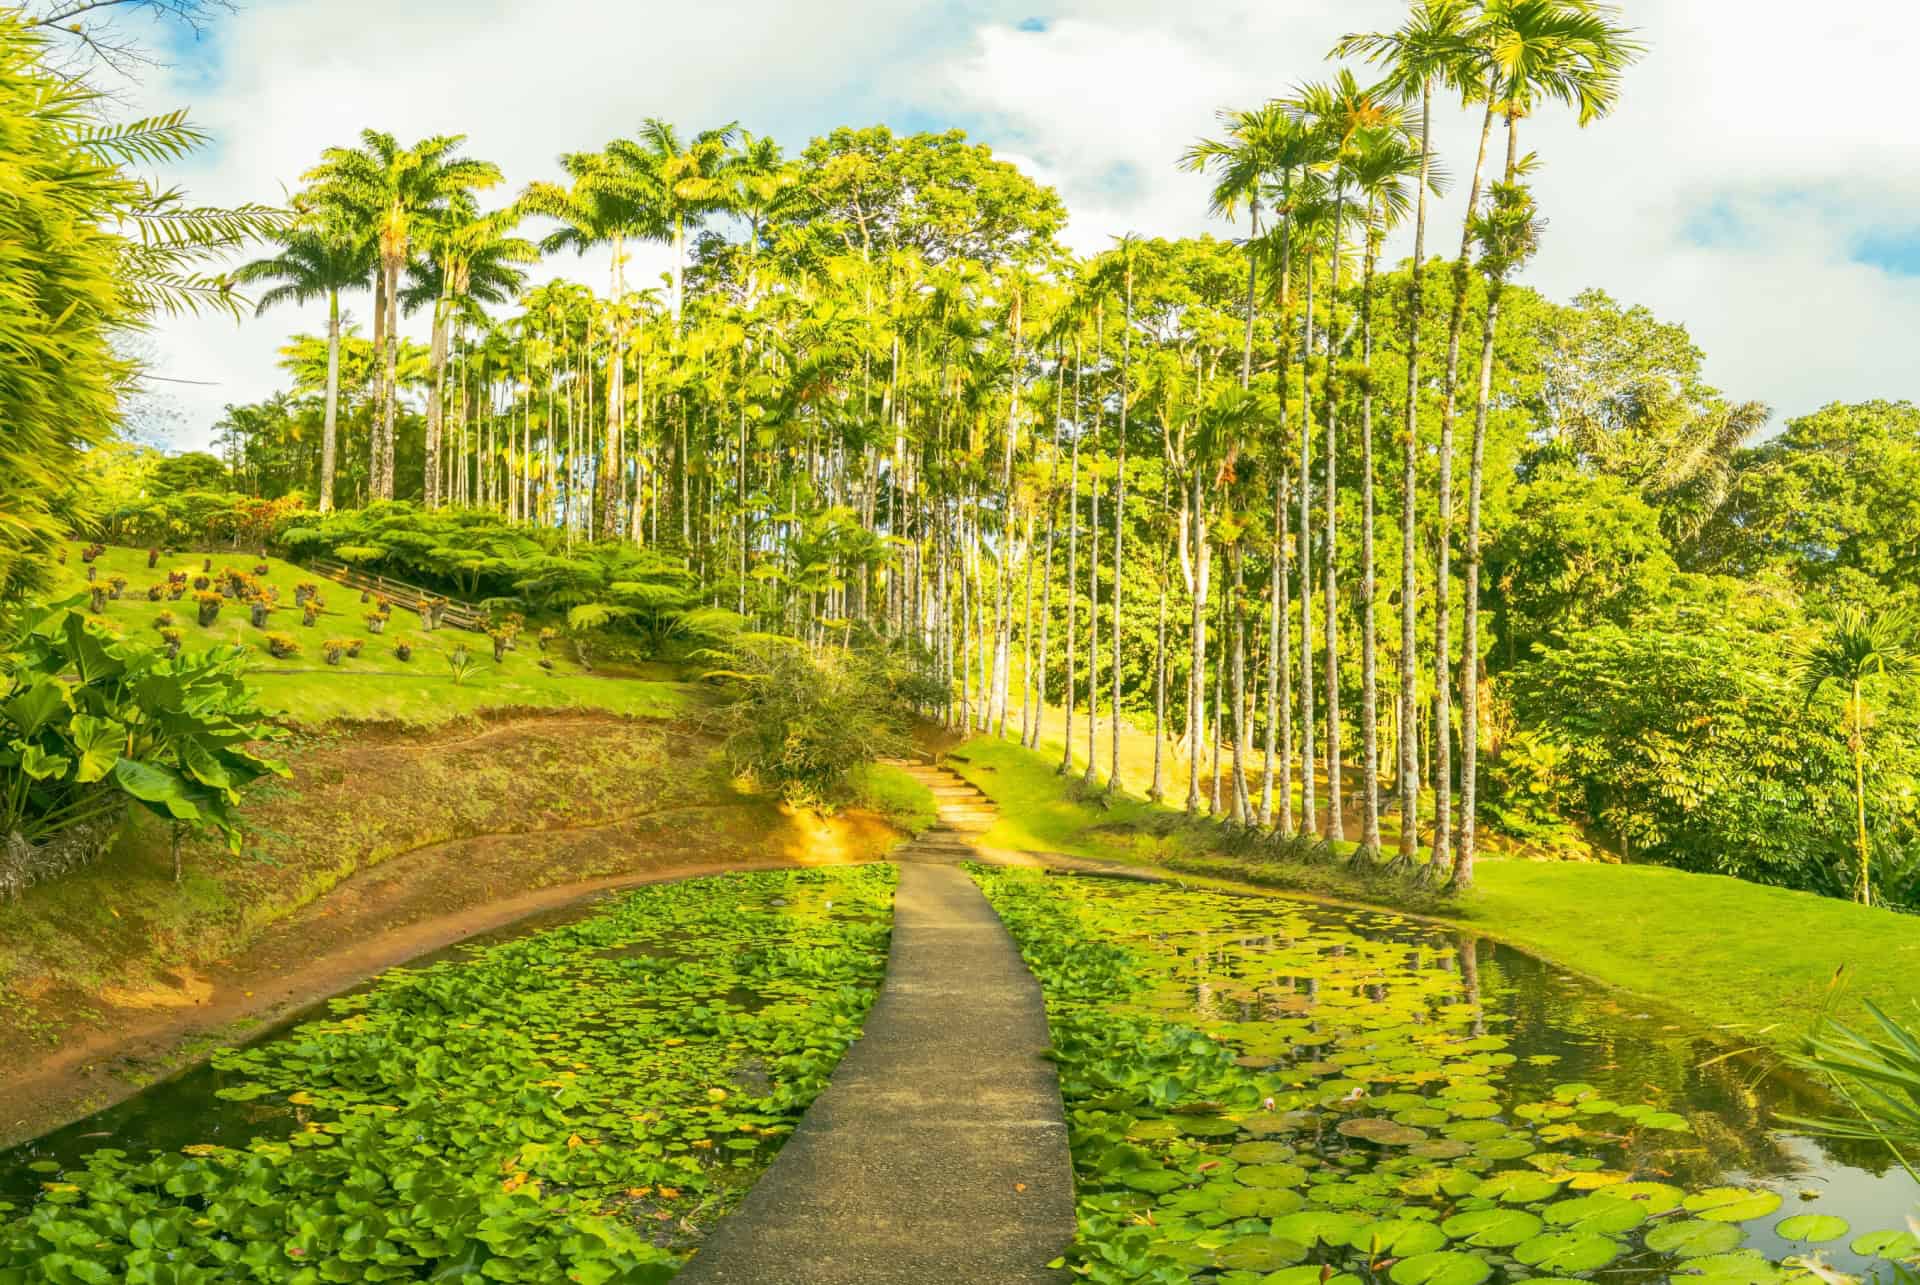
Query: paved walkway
x=939 y=1151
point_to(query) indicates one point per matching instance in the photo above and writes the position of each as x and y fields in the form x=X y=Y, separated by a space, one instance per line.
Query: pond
x=1268 y=1090
x=577 y=1098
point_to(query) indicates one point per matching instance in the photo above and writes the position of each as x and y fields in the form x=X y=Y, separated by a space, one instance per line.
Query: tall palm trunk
x=379 y=377
x=1119 y=517
x=329 y=431
x=1407 y=774
x=1157 y=792
x=1857 y=745
x=385 y=490
x=1470 y=623
x=1336 y=826
x=1442 y=640
x=1369 y=642
x=435 y=410
x=1073 y=566
x=1310 y=815
x=1242 y=731
x=1196 y=677
x=1046 y=578
x=1092 y=774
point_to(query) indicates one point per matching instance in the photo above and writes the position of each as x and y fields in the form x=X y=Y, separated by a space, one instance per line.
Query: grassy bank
x=1761 y=964
x=376 y=685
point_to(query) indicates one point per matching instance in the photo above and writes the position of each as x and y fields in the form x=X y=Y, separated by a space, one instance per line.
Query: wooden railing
x=460 y=615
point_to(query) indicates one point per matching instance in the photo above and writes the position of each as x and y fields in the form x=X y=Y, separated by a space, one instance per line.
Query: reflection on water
x=1288 y=981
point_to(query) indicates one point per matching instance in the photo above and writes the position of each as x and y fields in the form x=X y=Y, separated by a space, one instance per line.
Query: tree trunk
x=1310 y=818
x=1196 y=677
x=430 y=494
x=1073 y=565
x=329 y=431
x=1863 y=886
x=1119 y=518
x=1408 y=772
x=1369 y=642
x=1336 y=824
x=1442 y=641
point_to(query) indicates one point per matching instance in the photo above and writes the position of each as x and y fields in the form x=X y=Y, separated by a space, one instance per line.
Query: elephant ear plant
x=91 y=725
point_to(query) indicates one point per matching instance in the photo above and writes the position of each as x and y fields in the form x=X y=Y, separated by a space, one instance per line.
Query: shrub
x=800 y=725
x=282 y=646
x=94 y=724
x=165 y=620
x=210 y=604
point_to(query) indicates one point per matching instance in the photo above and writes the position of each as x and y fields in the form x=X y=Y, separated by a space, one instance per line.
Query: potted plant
x=546 y=637
x=260 y=610
x=500 y=640
x=202 y=583
x=153 y=558
x=353 y=647
x=89 y=553
x=262 y=570
x=206 y=565
x=282 y=646
x=303 y=591
x=431 y=609
x=210 y=604
x=155 y=592
x=170 y=640
x=335 y=648
x=310 y=612
x=98 y=599
x=403 y=650
x=93 y=573
x=165 y=620
x=376 y=621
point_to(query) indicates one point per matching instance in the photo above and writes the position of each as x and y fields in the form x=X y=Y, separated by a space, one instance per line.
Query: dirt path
x=939 y=1150
x=407 y=906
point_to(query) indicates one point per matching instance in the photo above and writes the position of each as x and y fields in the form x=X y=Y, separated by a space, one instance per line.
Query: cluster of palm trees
x=874 y=394
x=1343 y=158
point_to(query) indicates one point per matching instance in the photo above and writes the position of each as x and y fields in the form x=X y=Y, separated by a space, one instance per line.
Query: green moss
x=1762 y=964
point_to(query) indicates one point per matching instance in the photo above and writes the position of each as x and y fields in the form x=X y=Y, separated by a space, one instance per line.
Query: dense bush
x=1684 y=740
x=802 y=723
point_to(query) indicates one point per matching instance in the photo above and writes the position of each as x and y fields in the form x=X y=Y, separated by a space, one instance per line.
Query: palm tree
x=1341 y=109
x=1383 y=164
x=471 y=259
x=314 y=263
x=1432 y=48
x=684 y=181
x=384 y=190
x=1265 y=149
x=1855 y=647
x=1574 y=52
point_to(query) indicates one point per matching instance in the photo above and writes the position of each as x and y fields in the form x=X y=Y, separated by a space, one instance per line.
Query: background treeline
x=1405 y=538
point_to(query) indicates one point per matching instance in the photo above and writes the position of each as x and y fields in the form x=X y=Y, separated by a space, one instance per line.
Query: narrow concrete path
x=939 y=1151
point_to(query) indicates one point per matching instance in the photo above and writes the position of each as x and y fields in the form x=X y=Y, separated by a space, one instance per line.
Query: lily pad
x=1397 y=1238
x=1732 y=1204
x=1517 y=1187
x=1694 y=1238
x=1383 y=1133
x=1887 y=1244
x=1812 y=1229
x=1568 y=1251
x=1492 y=1228
x=1444 y=1267
x=1606 y=1215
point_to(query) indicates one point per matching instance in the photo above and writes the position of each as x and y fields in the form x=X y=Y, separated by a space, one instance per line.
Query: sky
x=1760 y=182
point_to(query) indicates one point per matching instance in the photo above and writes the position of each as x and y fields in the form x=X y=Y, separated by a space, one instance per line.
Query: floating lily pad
x=1281 y=1175
x=1310 y=1226
x=1396 y=1238
x=1260 y=1202
x=1384 y=1133
x=1517 y=1187
x=1260 y=1253
x=1887 y=1244
x=1444 y=1267
x=1607 y=1215
x=1492 y=1228
x=1694 y=1238
x=1656 y=1197
x=1812 y=1229
x=1746 y=1267
x=1568 y=1251
x=1732 y=1204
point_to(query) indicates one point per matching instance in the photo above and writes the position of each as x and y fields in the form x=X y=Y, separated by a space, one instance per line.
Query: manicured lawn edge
x=1759 y=965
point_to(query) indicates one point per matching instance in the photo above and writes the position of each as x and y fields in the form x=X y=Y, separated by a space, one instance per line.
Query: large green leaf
x=30 y=708
x=161 y=789
x=97 y=743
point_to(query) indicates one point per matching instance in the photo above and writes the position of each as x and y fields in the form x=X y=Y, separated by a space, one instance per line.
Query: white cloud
x=1729 y=112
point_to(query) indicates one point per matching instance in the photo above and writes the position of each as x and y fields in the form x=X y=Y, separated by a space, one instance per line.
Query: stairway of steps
x=962 y=814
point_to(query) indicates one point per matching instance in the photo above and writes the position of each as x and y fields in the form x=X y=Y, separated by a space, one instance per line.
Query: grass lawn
x=1761 y=964
x=898 y=797
x=377 y=685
